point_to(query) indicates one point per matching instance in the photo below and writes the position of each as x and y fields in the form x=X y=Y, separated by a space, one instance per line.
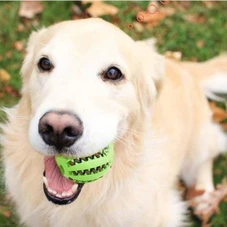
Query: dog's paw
x=206 y=204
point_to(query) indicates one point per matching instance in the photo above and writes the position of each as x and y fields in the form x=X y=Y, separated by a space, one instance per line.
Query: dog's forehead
x=85 y=35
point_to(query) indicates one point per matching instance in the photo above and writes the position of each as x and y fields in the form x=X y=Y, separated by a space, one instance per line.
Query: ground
x=197 y=30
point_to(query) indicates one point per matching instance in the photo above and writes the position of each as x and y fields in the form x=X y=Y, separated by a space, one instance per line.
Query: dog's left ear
x=151 y=75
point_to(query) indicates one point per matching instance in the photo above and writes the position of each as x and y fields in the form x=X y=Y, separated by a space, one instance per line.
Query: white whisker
x=123 y=142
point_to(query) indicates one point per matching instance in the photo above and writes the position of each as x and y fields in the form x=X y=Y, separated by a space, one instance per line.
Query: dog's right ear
x=150 y=75
x=153 y=63
x=27 y=64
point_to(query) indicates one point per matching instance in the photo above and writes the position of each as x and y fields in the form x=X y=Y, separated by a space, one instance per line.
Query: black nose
x=60 y=129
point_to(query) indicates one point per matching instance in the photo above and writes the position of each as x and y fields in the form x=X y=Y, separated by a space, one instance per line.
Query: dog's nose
x=60 y=129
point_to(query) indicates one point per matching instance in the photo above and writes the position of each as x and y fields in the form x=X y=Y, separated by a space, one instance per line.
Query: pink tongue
x=54 y=177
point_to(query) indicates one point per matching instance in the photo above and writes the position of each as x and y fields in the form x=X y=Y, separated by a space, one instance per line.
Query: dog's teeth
x=69 y=193
x=45 y=181
x=59 y=195
x=74 y=188
x=52 y=191
x=64 y=194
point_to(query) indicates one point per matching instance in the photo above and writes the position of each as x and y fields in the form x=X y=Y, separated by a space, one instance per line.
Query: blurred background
x=194 y=31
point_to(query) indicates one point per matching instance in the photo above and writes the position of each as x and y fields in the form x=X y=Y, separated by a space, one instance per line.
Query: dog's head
x=86 y=81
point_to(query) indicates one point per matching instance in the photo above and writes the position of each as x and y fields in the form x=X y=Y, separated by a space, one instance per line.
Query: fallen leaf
x=154 y=14
x=225 y=199
x=200 y=43
x=9 y=90
x=195 y=19
x=169 y=11
x=218 y=172
x=7 y=213
x=192 y=193
x=209 y=4
x=177 y=55
x=35 y=23
x=147 y=17
x=186 y=4
x=4 y=211
x=219 y=114
x=130 y=26
x=18 y=45
x=4 y=75
x=152 y=8
x=84 y=2
x=138 y=26
x=215 y=198
x=193 y=59
x=98 y=9
x=224 y=126
x=29 y=9
x=76 y=10
x=8 y=54
x=20 y=27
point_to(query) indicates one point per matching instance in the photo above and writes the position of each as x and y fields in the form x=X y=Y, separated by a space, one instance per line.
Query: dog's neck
x=129 y=149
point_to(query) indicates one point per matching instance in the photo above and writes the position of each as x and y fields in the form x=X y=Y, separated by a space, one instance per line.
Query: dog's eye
x=113 y=73
x=45 y=64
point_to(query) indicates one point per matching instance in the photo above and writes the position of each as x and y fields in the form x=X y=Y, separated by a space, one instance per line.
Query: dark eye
x=113 y=73
x=45 y=64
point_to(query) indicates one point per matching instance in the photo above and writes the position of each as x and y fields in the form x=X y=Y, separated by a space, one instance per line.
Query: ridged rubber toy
x=87 y=169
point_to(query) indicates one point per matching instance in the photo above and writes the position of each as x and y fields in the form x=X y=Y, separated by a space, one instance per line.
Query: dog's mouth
x=57 y=188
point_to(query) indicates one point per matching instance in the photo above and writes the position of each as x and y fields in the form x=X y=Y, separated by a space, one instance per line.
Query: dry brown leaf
x=8 y=54
x=192 y=193
x=20 y=27
x=18 y=45
x=169 y=11
x=98 y=9
x=29 y=9
x=144 y=16
x=9 y=90
x=225 y=199
x=224 y=126
x=4 y=211
x=84 y=2
x=219 y=114
x=209 y=4
x=176 y=55
x=214 y=200
x=186 y=4
x=217 y=171
x=7 y=214
x=200 y=43
x=195 y=19
x=138 y=26
x=76 y=10
x=4 y=75
x=193 y=59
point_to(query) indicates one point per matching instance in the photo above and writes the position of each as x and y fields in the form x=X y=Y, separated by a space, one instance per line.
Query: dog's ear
x=151 y=75
x=27 y=64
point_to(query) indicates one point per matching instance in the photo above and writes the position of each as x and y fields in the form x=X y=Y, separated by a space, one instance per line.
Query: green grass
x=174 y=33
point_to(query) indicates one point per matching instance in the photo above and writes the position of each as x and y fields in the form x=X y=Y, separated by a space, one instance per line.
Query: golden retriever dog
x=87 y=84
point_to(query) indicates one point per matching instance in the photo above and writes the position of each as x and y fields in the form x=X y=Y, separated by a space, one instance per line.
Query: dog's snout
x=60 y=129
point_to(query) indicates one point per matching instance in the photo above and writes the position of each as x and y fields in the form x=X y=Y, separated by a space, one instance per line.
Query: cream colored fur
x=157 y=137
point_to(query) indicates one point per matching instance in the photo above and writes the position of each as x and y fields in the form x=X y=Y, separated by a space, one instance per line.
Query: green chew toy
x=87 y=169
